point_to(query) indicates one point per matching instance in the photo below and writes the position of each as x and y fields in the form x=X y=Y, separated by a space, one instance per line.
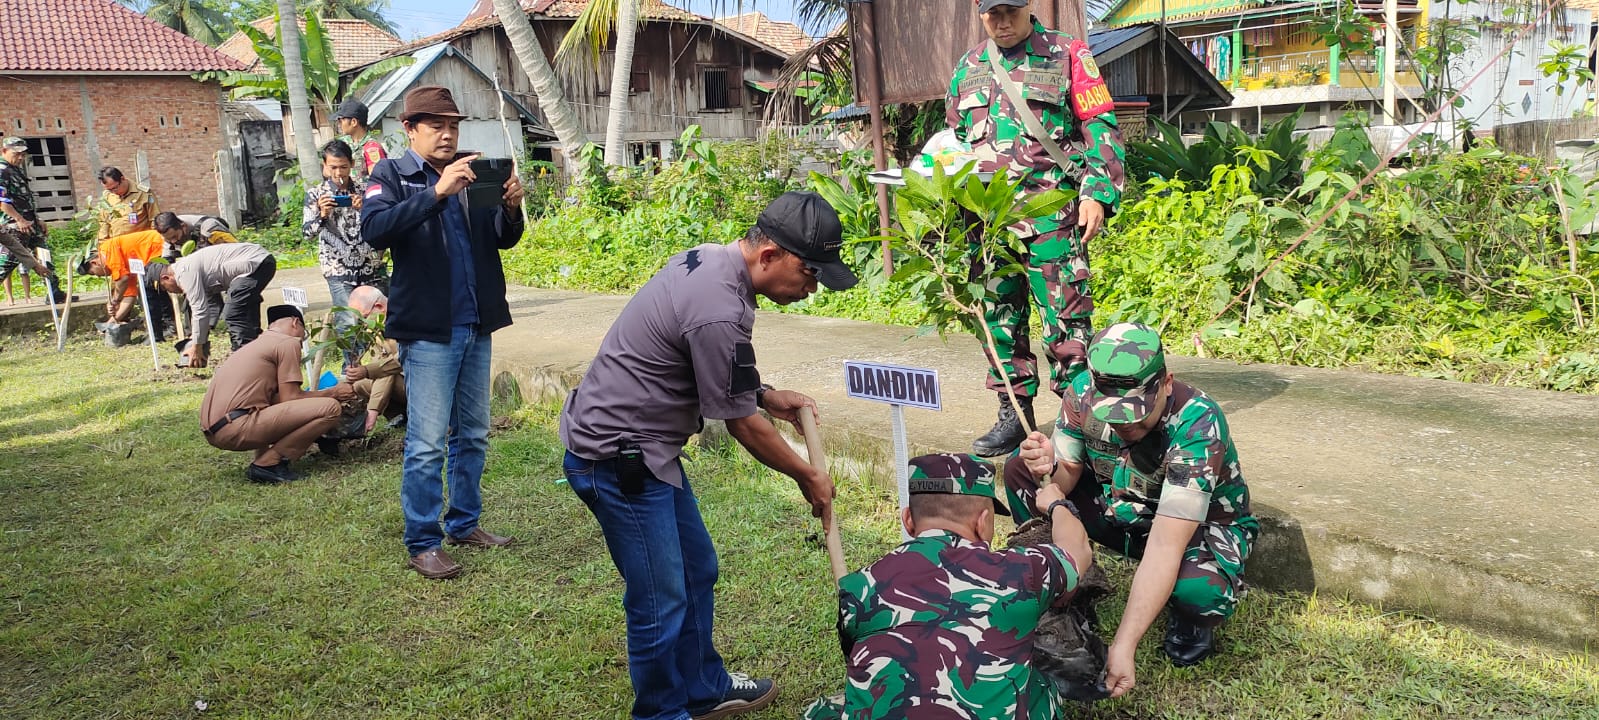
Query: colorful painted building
x=1272 y=56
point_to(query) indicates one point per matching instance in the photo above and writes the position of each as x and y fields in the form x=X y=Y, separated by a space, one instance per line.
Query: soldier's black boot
x=1188 y=641
x=1008 y=431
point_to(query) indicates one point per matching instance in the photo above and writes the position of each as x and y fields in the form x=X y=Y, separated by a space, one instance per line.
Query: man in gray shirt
x=679 y=352
x=242 y=270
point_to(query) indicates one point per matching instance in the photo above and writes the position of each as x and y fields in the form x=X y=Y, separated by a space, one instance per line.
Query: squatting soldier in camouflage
x=943 y=626
x=22 y=235
x=1066 y=93
x=1153 y=467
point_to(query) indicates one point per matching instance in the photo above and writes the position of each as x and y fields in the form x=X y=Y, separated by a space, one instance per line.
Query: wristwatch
x=760 y=395
x=1069 y=505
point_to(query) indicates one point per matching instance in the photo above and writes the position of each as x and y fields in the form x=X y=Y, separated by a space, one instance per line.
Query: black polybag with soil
x=1066 y=647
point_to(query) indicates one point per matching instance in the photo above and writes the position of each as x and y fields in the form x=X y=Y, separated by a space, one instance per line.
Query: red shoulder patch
x=1090 y=97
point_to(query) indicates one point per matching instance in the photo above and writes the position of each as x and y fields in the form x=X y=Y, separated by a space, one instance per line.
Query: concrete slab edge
x=1289 y=556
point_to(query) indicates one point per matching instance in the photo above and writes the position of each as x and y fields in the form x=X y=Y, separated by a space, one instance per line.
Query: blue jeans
x=447 y=395
x=659 y=543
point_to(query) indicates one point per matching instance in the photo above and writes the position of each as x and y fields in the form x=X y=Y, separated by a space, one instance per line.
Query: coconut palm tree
x=323 y=83
x=294 y=78
x=369 y=10
x=195 y=18
x=552 y=97
x=591 y=31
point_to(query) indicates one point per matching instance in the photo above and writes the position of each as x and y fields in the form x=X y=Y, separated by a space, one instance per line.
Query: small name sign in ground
x=898 y=386
x=892 y=384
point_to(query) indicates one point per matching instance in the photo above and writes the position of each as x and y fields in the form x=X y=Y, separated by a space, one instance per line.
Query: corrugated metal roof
x=97 y=36
x=383 y=95
x=1102 y=42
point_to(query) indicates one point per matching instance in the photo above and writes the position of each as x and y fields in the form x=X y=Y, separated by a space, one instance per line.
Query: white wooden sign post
x=296 y=296
x=898 y=387
x=136 y=266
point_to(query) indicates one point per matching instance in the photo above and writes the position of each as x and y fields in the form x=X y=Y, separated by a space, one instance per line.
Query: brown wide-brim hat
x=432 y=100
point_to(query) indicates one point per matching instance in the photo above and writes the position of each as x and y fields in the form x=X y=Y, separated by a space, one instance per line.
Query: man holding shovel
x=681 y=351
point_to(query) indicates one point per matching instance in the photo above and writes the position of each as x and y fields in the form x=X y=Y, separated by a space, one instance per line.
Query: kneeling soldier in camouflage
x=944 y=626
x=1150 y=462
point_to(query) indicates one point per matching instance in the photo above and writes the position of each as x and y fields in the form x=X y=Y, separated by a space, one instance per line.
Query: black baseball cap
x=152 y=273
x=804 y=224
x=278 y=312
x=353 y=109
x=986 y=5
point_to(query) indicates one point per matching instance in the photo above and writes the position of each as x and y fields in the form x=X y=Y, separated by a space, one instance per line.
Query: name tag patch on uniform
x=373 y=190
x=974 y=82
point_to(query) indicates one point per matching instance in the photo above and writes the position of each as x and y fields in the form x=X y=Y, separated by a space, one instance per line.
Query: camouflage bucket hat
x=954 y=474
x=1126 y=364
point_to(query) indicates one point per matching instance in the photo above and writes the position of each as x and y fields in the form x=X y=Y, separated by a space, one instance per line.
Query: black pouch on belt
x=630 y=470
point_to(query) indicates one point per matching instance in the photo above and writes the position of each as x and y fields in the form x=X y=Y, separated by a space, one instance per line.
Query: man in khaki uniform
x=125 y=206
x=256 y=402
x=381 y=381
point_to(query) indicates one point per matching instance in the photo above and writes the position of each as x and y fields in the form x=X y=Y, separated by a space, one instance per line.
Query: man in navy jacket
x=447 y=295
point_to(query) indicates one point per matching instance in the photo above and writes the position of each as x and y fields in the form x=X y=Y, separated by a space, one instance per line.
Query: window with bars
x=721 y=89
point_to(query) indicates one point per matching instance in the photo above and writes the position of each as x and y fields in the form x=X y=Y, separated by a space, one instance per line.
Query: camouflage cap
x=1126 y=364
x=14 y=143
x=955 y=474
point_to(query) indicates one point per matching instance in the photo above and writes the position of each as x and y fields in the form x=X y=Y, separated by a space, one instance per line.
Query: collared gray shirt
x=680 y=351
x=205 y=274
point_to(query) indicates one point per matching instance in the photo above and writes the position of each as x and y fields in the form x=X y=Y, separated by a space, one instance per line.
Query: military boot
x=1188 y=641
x=1008 y=431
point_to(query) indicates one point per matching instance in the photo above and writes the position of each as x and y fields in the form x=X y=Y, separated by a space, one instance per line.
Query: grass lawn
x=143 y=576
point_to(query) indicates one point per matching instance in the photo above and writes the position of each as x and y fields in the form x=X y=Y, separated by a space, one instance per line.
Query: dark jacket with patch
x=401 y=215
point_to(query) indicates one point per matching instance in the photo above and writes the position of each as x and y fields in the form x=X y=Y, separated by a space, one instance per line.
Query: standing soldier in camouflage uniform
x=21 y=230
x=1153 y=467
x=1067 y=100
x=944 y=622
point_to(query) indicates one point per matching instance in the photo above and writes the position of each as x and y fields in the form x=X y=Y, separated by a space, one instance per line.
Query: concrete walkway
x=1462 y=502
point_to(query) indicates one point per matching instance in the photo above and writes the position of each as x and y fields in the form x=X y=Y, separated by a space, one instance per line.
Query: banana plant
x=322 y=79
x=954 y=242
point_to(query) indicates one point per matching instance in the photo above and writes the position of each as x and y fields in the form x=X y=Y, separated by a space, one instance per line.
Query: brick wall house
x=74 y=88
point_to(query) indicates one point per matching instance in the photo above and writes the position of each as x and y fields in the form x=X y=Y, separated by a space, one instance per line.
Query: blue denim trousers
x=660 y=546
x=447 y=396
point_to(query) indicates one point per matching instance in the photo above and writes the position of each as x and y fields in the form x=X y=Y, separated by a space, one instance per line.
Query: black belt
x=230 y=417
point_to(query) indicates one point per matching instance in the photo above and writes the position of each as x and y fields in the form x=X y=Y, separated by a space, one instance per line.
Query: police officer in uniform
x=1063 y=137
x=1150 y=462
x=679 y=352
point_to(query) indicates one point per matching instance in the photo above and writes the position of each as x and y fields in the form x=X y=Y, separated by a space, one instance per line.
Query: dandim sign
x=892 y=384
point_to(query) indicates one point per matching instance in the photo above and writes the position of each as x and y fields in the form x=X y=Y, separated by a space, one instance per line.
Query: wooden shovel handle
x=813 y=449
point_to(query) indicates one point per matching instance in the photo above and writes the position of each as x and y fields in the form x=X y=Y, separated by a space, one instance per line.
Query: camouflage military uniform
x=1062 y=83
x=942 y=627
x=1186 y=468
x=16 y=192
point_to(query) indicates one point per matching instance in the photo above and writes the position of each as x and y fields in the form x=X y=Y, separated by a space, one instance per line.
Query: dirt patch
x=1067 y=647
